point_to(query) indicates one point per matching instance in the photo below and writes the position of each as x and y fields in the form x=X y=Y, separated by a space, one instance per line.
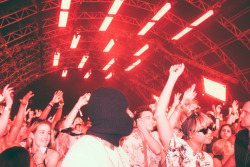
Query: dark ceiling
x=219 y=48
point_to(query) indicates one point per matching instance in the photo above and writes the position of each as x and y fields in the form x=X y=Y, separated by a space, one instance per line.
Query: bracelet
x=6 y=109
x=50 y=105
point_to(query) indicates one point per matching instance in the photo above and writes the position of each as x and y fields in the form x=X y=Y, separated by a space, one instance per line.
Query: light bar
x=146 y=28
x=63 y=18
x=56 y=59
x=109 y=75
x=109 y=46
x=215 y=89
x=105 y=23
x=182 y=33
x=143 y=49
x=64 y=73
x=161 y=12
x=203 y=18
x=109 y=64
x=65 y=4
x=87 y=74
x=133 y=65
x=75 y=41
x=83 y=61
x=115 y=7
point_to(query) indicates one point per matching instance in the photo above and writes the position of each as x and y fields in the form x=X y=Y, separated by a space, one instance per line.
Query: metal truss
x=224 y=22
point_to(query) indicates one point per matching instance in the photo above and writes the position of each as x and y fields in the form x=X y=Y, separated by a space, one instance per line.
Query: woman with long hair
x=39 y=138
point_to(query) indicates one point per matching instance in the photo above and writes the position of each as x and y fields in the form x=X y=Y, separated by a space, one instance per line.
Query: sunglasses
x=205 y=130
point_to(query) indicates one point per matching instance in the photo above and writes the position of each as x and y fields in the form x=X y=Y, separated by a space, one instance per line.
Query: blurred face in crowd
x=148 y=117
x=41 y=137
x=226 y=132
x=245 y=115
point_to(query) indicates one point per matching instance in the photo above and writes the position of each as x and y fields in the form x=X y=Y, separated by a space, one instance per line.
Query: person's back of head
x=15 y=157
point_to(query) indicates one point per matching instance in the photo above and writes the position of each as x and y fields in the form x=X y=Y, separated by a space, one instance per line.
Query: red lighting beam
x=109 y=46
x=75 y=41
x=56 y=59
x=133 y=65
x=63 y=18
x=83 y=61
x=105 y=23
x=143 y=49
x=182 y=33
x=64 y=73
x=146 y=28
x=115 y=7
x=65 y=4
x=109 y=64
x=202 y=18
x=161 y=12
x=109 y=75
x=87 y=74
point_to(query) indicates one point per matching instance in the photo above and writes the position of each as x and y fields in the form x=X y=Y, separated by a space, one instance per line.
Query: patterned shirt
x=181 y=154
x=133 y=146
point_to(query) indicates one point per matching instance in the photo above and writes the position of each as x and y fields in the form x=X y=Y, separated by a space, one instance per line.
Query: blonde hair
x=62 y=144
x=32 y=129
x=194 y=122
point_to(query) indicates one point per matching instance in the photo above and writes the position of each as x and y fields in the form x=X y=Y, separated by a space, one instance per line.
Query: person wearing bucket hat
x=107 y=110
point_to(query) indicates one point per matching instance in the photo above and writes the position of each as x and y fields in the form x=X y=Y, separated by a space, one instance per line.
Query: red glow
x=203 y=18
x=87 y=74
x=146 y=28
x=115 y=7
x=182 y=33
x=64 y=73
x=143 y=49
x=215 y=89
x=56 y=59
x=161 y=12
x=133 y=65
x=109 y=46
x=83 y=61
x=105 y=23
x=109 y=64
x=75 y=41
x=65 y=4
x=109 y=75
x=63 y=19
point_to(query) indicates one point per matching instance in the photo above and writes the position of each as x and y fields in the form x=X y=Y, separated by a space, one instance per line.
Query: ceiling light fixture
x=146 y=28
x=115 y=7
x=161 y=12
x=105 y=23
x=75 y=41
x=109 y=64
x=143 y=49
x=63 y=18
x=109 y=46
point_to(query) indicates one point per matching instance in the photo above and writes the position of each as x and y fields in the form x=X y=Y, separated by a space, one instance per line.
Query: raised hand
x=58 y=95
x=189 y=94
x=8 y=95
x=176 y=99
x=83 y=100
x=26 y=98
x=176 y=70
x=235 y=105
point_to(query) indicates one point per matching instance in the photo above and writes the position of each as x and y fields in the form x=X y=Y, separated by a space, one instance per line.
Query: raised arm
x=19 y=118
x=58 y=114
x=174 y=105
x=154 y=146
x=6 y=113
x=164 y=128
x=56 y=98
x=83 y=100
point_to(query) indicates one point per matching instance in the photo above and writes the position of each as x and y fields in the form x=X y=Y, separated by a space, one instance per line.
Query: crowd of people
x=181 y=134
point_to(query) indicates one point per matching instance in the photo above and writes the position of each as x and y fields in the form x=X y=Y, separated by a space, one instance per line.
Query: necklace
x=108 y=154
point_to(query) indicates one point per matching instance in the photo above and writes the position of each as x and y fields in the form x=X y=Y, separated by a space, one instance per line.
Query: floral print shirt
x=181 y=154
x=133 y=146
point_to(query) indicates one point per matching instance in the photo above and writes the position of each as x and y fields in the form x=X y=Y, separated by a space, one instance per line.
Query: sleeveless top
x=242 y=155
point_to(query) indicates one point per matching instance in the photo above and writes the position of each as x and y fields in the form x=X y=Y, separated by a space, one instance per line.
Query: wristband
x=50 y=105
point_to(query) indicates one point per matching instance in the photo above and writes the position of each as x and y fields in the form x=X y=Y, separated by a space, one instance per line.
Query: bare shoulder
x=217 y=162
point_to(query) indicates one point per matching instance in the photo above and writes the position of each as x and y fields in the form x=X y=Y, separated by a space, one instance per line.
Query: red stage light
x=203 y=18
x=161 y=12
x=83 y=61
x=56 y=59
x=64 y=73
x=115 y=7
x=143 y=49
x=182 y=33
x=105 y=23
x=109 y=75
x=75 y=41
x=109 y=46
x=133 y=65
x=109 y=64
x=87 y=74
x=146 y=28
x=65 y=4
x=215 y=89
x=63 y=19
